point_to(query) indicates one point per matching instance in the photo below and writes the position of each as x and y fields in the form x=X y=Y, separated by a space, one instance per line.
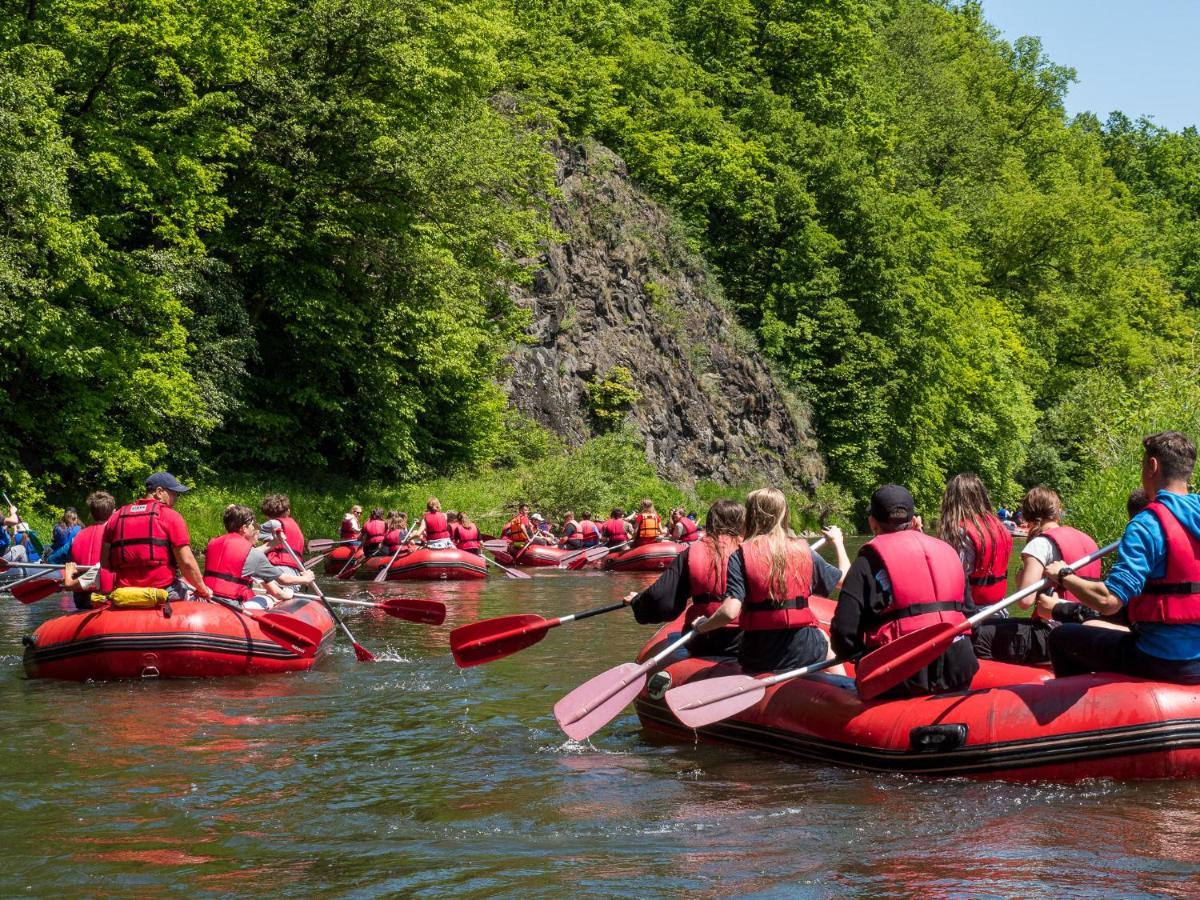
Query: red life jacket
x=589 y=533
x=466 y=537
x=989 y=578
x=1173 y=599
x=85 y=551
x=392 y=540
x=927 y=584
x=691 y=531
x=706 y=576
x=294 y=537
x=763 y=608
x=614 y=531
x=224 y=561
x=349 y=532
x=436 y=528
x=1073 y=544
x=140 y=552
x=373 y=534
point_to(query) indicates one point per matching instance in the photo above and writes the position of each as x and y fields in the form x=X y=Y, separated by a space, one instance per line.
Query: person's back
x=614 y=531
x=142 y=536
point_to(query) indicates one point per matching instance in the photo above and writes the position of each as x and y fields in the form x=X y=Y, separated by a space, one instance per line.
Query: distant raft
x=197 y=640
x=651 y=557
x=1017 y=723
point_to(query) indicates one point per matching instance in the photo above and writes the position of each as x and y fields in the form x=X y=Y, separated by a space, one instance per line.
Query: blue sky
x=1139 y=56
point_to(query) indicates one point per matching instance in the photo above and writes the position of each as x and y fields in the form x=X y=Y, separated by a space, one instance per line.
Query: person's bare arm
x=730 y=609
x=1093 y=594
x=190 y=571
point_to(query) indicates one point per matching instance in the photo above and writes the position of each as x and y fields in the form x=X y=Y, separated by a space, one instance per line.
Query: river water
x=412 y=777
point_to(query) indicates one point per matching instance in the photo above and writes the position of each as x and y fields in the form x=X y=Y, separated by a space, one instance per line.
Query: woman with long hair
x=647 y=524
x=967 y=524
x=465 y=535
x=1027 y=641
x=434 y=527
x=767 y=586
x=695 y=581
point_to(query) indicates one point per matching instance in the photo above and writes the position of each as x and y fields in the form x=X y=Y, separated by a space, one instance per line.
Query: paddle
x=709 y=700
x=491 y=639
x=287 y=631
x=309 y=563
x=382 y=574
x=598 y=701
x=496 y=545
x=361 y=653
x=5 y=565
x=895 y=661
x=32 y=591
x=40 y=573
x=511 y=573
x=424 y=612
x=324 y=545
x=588 y=554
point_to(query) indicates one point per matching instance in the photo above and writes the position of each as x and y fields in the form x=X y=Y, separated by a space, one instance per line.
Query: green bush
x=611 y=397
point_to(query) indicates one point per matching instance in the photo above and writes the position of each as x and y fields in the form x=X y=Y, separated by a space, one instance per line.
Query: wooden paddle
x=598 y=701
x=491 y=639
x=900 y=659
x=361 y=653
x=709 y=700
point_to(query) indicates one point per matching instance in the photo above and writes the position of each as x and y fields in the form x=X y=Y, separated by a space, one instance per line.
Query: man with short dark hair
x=1156 y=579
x=902 y=581
x=146 y=543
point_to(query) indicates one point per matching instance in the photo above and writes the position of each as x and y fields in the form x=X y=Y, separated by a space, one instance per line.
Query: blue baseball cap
x=166 y=481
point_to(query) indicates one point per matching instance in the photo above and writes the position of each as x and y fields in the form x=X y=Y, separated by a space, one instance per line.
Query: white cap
x=266 y=531
x=537 y=517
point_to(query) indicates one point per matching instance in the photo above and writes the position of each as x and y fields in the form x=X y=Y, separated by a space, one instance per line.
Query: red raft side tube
x=542 y=555
x=437 y=565
x=645 y=558
x=199 y=640
x=338 y=557
x=1016 y=724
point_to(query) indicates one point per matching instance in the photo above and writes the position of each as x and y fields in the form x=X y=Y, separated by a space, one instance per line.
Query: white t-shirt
x=1043 y=550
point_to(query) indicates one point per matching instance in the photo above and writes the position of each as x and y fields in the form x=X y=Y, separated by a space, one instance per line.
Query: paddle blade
x=39 y=589
x=288 y=631
x=320 y=545
x=425 y=612
x=496 y=546
x=597 y=702
x=382 y=574
x=492 y=639
x=713 y=699
x=362 y=654
x=902 y=658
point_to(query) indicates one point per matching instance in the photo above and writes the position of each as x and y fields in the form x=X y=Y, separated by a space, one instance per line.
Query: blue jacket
x=1143 y=555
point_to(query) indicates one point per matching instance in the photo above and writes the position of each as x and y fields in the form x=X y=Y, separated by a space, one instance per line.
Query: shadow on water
x=412 y=776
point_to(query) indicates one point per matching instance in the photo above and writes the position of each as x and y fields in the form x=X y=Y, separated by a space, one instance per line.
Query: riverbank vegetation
x=273 y=242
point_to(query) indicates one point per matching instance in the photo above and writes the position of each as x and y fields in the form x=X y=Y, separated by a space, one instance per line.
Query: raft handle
x=937 y=738
x=150 y=672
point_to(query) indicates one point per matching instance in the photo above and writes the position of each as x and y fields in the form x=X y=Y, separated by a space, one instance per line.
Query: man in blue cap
x=146 y=543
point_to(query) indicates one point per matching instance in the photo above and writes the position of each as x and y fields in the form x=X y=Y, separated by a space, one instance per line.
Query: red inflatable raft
x=645 y=558
x=1016 y=723
x=424 y=564
x=533 y=555
x=338 y=557
x=199 y=640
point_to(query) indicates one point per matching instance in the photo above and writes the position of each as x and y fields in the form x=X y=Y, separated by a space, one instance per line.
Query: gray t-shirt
x=258 y=566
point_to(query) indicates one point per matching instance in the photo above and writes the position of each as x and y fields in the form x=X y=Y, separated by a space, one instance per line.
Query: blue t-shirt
x=1142 y=555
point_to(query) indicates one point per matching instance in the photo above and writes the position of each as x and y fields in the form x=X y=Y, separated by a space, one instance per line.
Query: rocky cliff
x=624 y=290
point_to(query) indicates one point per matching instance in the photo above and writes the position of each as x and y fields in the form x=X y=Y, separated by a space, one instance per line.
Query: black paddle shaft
x=602 y=609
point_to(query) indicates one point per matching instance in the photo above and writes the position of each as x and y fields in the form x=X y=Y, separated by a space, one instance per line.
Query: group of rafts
x=1016 y=722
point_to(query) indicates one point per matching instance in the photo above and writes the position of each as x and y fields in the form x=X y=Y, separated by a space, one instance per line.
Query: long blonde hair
x=767 y=518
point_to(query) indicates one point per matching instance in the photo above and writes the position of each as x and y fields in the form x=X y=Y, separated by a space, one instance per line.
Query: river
x=412 y=777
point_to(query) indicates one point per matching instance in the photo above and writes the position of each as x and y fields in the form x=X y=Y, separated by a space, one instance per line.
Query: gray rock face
x=625 y=290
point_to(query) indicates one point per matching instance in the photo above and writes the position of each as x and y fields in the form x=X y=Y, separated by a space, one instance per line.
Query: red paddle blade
x=597 y=702
x=495 y=544
x=362 y=653
x=298 y=636
x=39 y=589
x=425 y=612
x=492 y=639
x=320 y=545
x=902 y=658
x=713 y=699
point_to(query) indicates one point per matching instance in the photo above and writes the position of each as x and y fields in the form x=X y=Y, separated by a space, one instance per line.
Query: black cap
x=892 y=504
x=166 y=480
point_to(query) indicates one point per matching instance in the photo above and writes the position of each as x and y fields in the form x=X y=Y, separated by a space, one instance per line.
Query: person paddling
x=902 y=581
x=984 y=545
x=85 y=553
x=396 y=534
x=615 y=529
x=767 y=585
x=279 y=508
x=433 y=527
x=520 y=529
x=1027 y=641
x=683 y=529
x=696 y=581
x=373 y=533
x=351 y=527
x=1156 y=579
x=647 y=524
x=465 y=535
x=232 y=563
x=580 y=535
x=146 y=543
